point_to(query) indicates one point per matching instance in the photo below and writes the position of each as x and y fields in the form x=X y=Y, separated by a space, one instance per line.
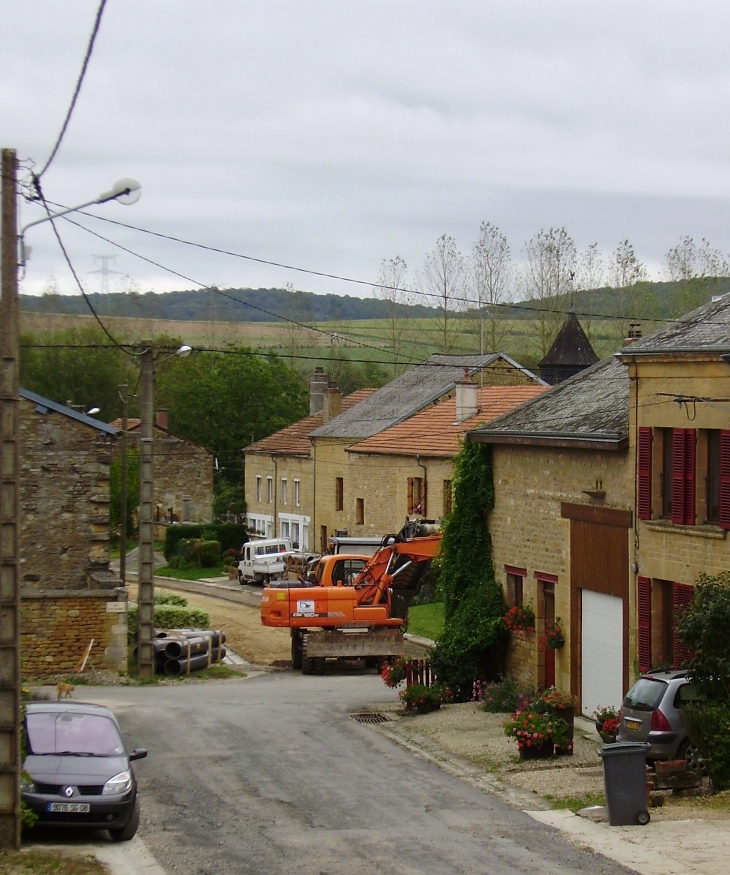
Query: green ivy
x=471 y=644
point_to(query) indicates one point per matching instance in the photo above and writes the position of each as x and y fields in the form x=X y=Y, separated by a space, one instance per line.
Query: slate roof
x=412 y=391
x=571 y=348
x=589 y=410
x=706 y=329
x=45 y=405
x=133 y=424
x=294 y=439
x=434 y=432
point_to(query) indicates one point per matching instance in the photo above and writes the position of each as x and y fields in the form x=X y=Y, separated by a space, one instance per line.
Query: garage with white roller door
x=599 y=587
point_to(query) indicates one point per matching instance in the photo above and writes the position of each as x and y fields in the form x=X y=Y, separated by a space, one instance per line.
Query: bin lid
x=624 y=748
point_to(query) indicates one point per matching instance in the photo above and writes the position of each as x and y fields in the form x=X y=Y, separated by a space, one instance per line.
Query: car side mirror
x=138 y=754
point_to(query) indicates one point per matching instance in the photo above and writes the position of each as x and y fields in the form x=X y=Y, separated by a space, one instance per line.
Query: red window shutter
x=410 y=495
x=725 y=479
x=644 y=622
x=683 y=476
x=644 y=482
x=690 y=444
x=681 y=598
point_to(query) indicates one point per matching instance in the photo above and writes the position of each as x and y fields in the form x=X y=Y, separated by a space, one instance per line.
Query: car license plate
x=70 y=807
x=633 y=724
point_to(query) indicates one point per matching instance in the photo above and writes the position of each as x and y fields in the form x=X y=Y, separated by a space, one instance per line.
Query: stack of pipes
x=180 y=651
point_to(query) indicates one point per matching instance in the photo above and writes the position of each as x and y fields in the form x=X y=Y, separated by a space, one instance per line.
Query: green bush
x=172 y=617
x=170 y=598
x=471 y=646
x=709 y=728
x=704 y=627
x=229 y=535
x=197 y=553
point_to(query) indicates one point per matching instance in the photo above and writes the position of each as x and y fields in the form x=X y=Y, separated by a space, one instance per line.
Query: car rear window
x=645 y=695
x=68 y=732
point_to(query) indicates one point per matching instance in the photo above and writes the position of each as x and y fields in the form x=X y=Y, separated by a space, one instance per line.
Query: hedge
x=229 y=535
x=172 y=617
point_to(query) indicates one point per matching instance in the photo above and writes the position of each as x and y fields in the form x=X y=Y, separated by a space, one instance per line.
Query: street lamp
x=125 y=191
x=146 y=552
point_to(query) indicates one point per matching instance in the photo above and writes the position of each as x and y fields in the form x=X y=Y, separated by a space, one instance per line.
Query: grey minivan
x=78 y=771
x=652 y=711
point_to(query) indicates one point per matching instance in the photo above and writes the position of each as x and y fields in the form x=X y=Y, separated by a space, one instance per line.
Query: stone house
x=406 y=470
x=183 y=473
x=561 y=530
x=68 y=594
x=679 y=432
x=279 y=470
x=341 y=503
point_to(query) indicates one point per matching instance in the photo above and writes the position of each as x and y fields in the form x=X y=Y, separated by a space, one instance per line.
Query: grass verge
x=575 y=803
x=41 y=862
x=426 y=620
x=191 y=573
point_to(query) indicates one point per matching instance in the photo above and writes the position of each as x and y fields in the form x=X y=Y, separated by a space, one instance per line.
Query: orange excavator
x=360 y=616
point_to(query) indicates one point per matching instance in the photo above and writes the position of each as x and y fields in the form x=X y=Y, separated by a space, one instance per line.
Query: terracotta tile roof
x=293 y=440
x=432 y=432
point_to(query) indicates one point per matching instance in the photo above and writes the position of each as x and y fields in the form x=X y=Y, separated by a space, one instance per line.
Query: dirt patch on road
x=260 y=645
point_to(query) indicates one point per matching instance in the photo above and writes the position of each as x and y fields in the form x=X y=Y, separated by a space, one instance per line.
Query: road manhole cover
x=370 y=718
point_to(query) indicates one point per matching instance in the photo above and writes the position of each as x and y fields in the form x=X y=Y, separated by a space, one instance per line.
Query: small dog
x=65 y=689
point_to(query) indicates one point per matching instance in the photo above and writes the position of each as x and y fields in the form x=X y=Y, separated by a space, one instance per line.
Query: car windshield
x=645 y=695
x=73 y=733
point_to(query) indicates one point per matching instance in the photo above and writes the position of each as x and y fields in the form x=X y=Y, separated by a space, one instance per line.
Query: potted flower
x=394 y=673
x=609 y=730
x=553 y=639
x=423 y=698
x=520 y=618
x=559 y=704
x=603 y=713
x=537 y=735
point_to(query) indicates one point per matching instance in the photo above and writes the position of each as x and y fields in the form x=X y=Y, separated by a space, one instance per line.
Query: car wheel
x=129 y=830
x=240 y=578
x=688 y=751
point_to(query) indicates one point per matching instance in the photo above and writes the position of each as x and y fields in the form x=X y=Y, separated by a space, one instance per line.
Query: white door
x=602 y=650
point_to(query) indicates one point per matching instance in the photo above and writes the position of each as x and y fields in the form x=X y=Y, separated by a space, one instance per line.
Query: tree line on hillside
x=481 y=293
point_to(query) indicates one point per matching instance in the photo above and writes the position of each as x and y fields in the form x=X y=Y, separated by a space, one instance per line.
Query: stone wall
x=64 y=501
x=527 y=530
x=56 y=628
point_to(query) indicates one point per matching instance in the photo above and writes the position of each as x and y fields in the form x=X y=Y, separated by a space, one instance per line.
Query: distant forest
x=205 y=305
x=658 y=300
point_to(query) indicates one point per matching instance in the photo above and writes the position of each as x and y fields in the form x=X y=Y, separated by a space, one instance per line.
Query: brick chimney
x=318 y=383
x=161 y=418
x=633 y=334
x=467 y=398
x=332 y=402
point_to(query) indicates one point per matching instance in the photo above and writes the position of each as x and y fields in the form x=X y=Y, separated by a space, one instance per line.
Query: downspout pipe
x=424 y=503
x=275 y=532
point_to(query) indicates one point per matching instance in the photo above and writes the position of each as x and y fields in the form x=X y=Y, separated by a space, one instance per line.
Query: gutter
x=610 y=442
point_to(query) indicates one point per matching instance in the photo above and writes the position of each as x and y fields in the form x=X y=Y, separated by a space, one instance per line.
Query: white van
x=263 y=561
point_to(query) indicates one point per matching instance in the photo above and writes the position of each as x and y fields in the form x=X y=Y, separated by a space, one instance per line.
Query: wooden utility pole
x=123 y=389
x=9 y=489
x=146 y=551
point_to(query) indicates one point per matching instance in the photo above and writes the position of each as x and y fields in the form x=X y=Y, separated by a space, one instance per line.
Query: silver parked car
x=652 y=711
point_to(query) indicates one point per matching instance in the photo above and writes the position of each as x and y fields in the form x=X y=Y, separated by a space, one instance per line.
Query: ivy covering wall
x=471 y=645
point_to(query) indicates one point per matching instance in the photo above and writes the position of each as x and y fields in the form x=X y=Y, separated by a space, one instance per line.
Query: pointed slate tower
x=570 y=353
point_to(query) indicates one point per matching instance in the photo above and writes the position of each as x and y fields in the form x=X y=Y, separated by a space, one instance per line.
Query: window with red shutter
x=644 y=622
x=644 y=474
x=725 y=479
x=681 y=598
x=683 y=476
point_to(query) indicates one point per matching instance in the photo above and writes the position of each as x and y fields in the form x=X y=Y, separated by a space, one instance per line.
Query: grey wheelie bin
x=624 y=777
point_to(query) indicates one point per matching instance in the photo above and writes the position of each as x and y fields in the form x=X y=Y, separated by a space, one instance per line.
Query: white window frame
x=297 y=497
x=269 y=490
x=284 y=490
x=258 y=488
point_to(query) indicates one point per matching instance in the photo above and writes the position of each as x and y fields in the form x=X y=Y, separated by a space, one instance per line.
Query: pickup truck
x=263 y=561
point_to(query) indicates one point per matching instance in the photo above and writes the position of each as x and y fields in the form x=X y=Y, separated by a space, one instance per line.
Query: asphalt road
x=271 y=775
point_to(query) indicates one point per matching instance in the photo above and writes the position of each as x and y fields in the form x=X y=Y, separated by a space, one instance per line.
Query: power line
x=77 y=90
x=508 y=305
x=39 y=190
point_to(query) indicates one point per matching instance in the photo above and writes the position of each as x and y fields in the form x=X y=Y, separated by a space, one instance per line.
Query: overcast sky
x=333 y=134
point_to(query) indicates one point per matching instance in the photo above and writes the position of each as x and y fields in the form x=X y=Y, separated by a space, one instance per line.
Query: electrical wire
x=77 y=90
x=103 y=327
x=517 y=306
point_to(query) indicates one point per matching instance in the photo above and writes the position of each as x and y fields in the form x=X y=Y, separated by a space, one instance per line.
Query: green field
x=426 y=620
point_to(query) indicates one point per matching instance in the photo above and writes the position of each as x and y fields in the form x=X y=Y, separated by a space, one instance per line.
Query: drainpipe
x=276 y=490
x=313 y=527
x=424 y=503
